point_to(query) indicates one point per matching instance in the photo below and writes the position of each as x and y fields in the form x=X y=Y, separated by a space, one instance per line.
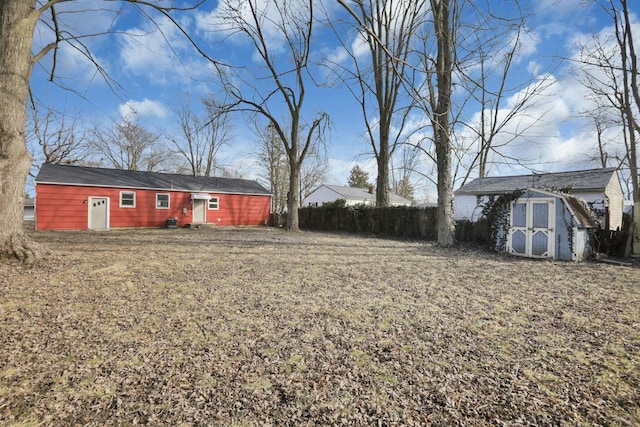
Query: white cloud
x=73 y=65
x=559 y=8
x=161 y=54
x=144 y=108
x=528 y=42
x=227 y=20
x=337 y=56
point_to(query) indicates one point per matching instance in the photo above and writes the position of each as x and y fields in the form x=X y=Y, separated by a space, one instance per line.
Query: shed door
x=200 y=210
x=98 y=213
x=531 y=232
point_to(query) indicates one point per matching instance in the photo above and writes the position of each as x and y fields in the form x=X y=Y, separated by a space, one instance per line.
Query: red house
x=77 y=198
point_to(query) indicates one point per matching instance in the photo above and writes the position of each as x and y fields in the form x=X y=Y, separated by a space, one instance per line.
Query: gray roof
x=100 y=177
x=584 y=180
x=353 y=193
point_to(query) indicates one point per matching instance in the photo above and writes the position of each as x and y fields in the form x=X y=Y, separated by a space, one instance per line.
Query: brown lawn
x=247 y=327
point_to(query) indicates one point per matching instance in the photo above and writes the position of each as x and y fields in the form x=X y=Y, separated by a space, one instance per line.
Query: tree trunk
x=293 y=221
x=446 y=223
x=444 y=65
x=631 y=82
x=382 y=181
x=17 y=24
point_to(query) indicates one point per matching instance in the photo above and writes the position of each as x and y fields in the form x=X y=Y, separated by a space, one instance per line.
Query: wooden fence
x=399 y=222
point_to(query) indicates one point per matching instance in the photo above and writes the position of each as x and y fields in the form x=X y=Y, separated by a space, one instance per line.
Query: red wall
x=66 y=207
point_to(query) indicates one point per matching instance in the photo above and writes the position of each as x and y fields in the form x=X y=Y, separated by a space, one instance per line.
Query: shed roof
x=581 y=212
x=579 y=209
x=583 y=180
x=353 y=193
x=101 y=177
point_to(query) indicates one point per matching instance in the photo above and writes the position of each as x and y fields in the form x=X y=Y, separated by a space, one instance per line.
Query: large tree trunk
x=382 y=181
x=444 y=65
x=631 y=82
x=17 y=22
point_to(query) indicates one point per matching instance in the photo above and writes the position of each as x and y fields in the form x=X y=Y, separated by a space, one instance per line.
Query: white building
x=352 y=195
x=599 y=188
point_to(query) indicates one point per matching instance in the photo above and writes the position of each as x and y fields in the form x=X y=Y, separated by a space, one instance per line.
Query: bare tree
x=273 y=165
x=610 y=72
x=401 y=173
x=377 y=81
x=127 y=145
x=55 y=137
x=18 y=19
x=444 y=46
x=284 y=79
x=439 y=106
x=486 y=77
x=201 y=137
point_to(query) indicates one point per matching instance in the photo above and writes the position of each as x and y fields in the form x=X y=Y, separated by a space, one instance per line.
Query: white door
x=199 y=211
x=531 y=232
x=98 y=213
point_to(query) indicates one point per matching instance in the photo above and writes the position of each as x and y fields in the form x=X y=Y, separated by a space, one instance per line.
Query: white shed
x=599 y=188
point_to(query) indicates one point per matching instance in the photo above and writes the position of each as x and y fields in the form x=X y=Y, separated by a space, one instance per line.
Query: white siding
x=352 y=202
x=597 y=202
x=468 y=207
x=615 y=198
x=320 y=195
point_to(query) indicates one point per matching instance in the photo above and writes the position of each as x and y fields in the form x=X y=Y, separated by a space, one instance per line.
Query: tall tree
x=440 y=108
x=358 y=178
x=201 y=137
x=128 y=145
x=55 y=137
x=17 y=23
x=377 y=81
x=284 y=78
x=610 y=72
x=273 y=165
x=274 y=169
x=18 y=19
x=436 y=104
x=504 y=107
x=434 y=98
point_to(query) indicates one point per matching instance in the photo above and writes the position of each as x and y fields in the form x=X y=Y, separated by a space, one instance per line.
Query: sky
x=152 y=67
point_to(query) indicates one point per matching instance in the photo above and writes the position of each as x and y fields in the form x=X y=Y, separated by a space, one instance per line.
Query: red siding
x=66 y=207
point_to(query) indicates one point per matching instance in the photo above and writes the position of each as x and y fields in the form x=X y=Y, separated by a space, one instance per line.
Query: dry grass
x=244 y=327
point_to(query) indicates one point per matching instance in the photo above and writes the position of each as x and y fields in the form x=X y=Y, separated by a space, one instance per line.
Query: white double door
x=531 y=233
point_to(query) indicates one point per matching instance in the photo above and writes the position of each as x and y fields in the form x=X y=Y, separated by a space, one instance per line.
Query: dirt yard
x=259 y=327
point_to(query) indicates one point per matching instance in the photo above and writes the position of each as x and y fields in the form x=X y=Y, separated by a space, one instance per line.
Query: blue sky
x=153 y=70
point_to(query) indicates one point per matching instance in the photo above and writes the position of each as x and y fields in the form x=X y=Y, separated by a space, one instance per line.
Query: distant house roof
x=584 y=180
x=353 y=193
x=100 y=177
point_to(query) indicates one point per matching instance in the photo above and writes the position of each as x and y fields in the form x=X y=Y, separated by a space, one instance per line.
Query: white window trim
x=168 y=200
x=217 y=200
x=134 y=199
